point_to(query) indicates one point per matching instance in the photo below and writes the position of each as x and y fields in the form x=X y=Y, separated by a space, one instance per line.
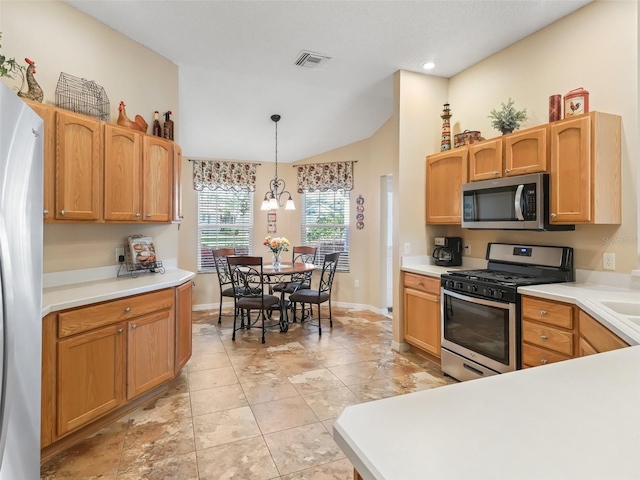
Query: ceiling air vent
x=311 y=60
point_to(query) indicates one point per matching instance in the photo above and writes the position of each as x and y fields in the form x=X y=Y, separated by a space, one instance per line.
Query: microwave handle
x=517 y=202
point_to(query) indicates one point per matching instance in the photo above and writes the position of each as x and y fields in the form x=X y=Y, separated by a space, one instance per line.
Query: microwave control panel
x=530 y=202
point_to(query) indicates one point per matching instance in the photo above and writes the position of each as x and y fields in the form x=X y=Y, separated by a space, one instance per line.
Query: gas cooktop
x=502 y=277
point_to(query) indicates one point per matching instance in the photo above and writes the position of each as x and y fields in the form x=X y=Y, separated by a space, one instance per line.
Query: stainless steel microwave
x=511 y=203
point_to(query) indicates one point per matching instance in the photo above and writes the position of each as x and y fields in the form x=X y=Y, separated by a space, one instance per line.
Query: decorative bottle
x=168 y=126
x=157 y=130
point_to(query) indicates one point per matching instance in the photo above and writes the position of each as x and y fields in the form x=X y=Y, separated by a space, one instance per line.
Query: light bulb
x=428 y=65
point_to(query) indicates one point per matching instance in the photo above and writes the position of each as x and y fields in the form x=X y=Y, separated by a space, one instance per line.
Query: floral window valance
x=325 y=177
x=216 y=175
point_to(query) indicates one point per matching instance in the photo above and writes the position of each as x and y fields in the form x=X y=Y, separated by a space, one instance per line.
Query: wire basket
x=82 y=96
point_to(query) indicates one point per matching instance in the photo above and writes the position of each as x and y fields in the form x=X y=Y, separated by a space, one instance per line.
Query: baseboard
x=399 y=346
x=351 y=306
x=211 y=306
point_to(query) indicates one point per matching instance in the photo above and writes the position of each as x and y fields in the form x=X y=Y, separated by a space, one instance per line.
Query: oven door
x=481 y=330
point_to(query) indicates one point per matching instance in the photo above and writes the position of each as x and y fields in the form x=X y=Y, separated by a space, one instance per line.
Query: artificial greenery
x=508 y=119
x=8 y=66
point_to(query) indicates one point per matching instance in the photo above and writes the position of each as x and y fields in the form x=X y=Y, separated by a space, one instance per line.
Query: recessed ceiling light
x=428 y=65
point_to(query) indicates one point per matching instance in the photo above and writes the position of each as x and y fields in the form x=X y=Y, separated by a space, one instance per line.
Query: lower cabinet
x=596 y=338
x=98 y=359
x=422 y=312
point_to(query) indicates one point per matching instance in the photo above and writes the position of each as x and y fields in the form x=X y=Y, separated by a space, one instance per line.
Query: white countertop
x=577 y=419
x=75 y=295
x=430 y=270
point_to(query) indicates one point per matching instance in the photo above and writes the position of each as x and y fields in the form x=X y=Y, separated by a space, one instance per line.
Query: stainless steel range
x=480 y=309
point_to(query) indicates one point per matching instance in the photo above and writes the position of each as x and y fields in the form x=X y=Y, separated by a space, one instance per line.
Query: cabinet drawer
x=552 y=313
x=598 y=336
x=534 y=356
x=547 y=337
x=420 y=282
x=88 y=318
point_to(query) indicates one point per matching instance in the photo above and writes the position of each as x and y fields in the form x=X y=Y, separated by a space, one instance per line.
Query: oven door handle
x=517 y=203
x=481 y=301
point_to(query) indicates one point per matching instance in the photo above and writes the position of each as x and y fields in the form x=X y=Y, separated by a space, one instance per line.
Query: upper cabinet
x=78 y=191
x=585 y=170
x=101 y=172
x=517 y=153
x=446 y=172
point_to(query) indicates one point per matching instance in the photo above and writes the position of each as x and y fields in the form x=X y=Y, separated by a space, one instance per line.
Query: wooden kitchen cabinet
x=122 y=174
x=177 y=183
x=78 y=171
x=585 y=184
x=157 y=173
x=422 y=312
x=446 y=172
x=151 y=352
x=549 y=331
x=595 y=337
x=90 y=377
x=517 y=153
x=183 y=325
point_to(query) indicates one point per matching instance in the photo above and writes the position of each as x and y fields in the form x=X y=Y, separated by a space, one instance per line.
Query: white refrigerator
x=21 y=170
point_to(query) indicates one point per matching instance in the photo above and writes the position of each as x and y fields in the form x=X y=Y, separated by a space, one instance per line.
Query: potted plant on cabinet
x=508 y=118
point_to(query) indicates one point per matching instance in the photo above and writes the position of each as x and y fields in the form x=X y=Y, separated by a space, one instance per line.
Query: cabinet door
x=151 y=351
x=485 y=160
x=597 y=336
x=122 y=174
x=526 y=151
x=157 y=172
x=571 y=171
x=183 y=325
x=446 y=172
x=177 y=183
x=90 y=376
x=422 y=320
x=78 y=192
x=48 y=114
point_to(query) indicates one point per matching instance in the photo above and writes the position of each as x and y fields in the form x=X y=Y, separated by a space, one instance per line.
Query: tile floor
x=244 y=410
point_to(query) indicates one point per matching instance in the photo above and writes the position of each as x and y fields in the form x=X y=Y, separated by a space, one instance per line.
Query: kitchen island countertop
x=573 y=419
x=78 y=294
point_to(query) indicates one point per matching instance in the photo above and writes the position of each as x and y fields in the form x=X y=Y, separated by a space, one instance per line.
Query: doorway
x=386 y=243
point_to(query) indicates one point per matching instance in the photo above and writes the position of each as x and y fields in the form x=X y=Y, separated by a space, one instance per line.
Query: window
x=225 y=219
x=325 y=224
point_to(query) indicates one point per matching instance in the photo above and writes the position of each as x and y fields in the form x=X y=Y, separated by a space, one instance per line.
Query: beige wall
x=595 y=48
x=59 y=38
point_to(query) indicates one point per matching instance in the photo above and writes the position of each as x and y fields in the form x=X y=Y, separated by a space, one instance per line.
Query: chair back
x=303 y=254
x=246 y=275
x=222 y=267
x=328 y=272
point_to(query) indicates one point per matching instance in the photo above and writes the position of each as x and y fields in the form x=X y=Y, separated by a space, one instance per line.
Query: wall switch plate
x=466 y=250
x=609 y=261
x=356 y=284
x=407 y=249
x=119 y=253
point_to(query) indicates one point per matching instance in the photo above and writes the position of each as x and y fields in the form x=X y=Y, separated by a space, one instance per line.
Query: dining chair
x=300 y=254
x=323 y=293
x=224 y=276
x=248 y=282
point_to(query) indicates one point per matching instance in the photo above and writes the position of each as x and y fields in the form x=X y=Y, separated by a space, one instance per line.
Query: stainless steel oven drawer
x=462 y=368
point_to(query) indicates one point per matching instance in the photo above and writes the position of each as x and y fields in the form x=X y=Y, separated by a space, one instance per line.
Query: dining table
x=282 y=273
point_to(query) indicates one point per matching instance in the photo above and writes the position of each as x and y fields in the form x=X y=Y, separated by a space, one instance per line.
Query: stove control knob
x=450 y=283
x=489 y=292
x=458 y=284
x=472 y=288
x=499 y=294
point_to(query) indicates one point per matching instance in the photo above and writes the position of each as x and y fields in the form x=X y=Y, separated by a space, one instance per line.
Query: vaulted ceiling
x=237 y=61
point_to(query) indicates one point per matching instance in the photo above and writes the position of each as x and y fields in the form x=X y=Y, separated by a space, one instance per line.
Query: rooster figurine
x=34 y=92
x=123 y=120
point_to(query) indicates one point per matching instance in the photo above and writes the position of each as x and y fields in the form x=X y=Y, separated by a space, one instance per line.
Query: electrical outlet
x=119 y=253
x=407 y=249
x=466 y=250
x=356 y=284
x=609 y=261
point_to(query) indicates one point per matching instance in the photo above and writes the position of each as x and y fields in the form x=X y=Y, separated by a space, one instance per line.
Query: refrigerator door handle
x=4 y=414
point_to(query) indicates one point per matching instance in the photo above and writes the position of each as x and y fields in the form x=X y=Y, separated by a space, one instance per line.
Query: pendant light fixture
x=276 y=185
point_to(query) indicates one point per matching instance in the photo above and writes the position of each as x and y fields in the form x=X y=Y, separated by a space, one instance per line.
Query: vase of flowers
x=277 y=245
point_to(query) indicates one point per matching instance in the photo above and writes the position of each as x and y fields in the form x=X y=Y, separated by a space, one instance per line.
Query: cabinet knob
x=63 y=212
x=419 y=282
x=134 y=326
x=137 y=214
x=128 y=309
x=45 y=212
x=148 y=215
x=552 y=215
x=543 y=361
x=495 y=173
x=120 y=330
x=543 y=312
x=506 y=170
x=544 y=337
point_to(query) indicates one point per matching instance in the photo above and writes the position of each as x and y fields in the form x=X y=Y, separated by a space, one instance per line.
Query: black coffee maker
x=448 y=251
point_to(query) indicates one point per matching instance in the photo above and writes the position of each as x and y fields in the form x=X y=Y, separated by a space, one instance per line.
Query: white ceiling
x=236 y=61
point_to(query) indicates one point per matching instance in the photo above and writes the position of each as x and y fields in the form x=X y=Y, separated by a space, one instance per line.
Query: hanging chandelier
x=272 y=199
